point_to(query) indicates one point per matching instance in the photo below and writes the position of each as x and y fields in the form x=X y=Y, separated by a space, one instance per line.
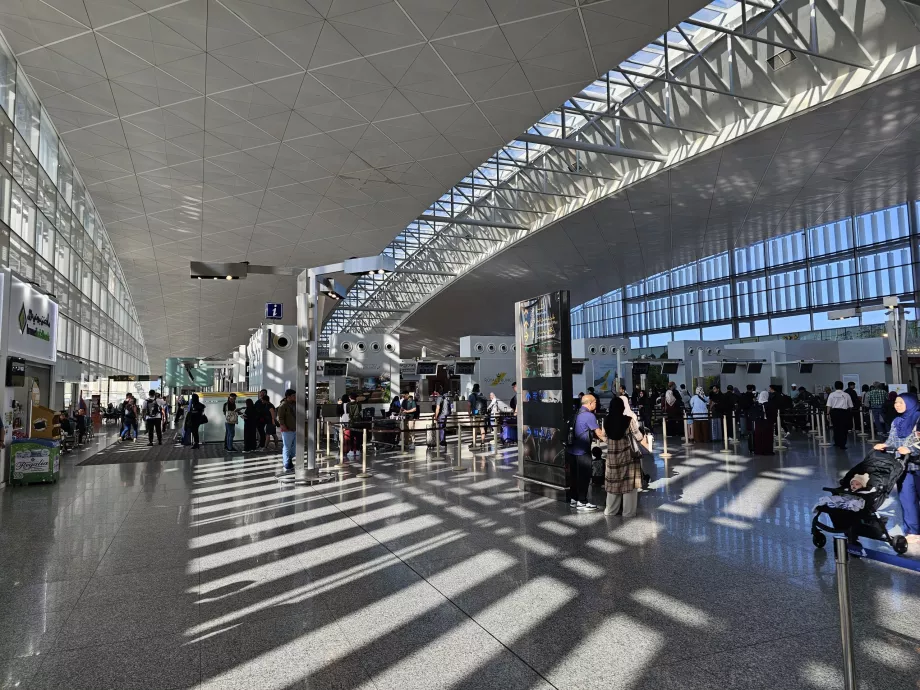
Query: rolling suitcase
x=509 y=431
x=431 y=437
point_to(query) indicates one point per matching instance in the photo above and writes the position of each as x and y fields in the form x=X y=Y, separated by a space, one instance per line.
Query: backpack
x=232 y=416
x=353 y=410
x=755 y=412
x=152 y=409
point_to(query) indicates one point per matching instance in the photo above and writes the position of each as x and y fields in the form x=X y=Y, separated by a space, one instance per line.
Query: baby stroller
x=853 y=512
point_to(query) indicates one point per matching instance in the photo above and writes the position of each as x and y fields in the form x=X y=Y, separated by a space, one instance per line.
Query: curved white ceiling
x=293 y=132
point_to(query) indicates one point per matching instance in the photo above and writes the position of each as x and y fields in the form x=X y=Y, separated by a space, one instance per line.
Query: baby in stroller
x=852 y=505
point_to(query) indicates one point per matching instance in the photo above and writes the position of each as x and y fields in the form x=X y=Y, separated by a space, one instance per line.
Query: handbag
x=634 y=447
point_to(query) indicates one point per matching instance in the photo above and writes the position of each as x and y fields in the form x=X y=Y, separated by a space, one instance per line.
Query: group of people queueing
x=619 y=429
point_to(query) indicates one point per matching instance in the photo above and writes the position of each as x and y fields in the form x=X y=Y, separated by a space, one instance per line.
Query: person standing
x=180 y=410
x=578 y=456
x=260 y=415
x=287 y=419
x=268 y=417
x=673 y=410
x=231 y=418
x=856 y=400
x=902 y=437
x=153 y=418
x=876 y=402
x=128 y=418
x=407 y=420
x=699 y=410
x=442 y=412
x=840 y=407
x=513 y=403
x=761 y=425
x=194 y=418
x=622 y=471
x=250 y=424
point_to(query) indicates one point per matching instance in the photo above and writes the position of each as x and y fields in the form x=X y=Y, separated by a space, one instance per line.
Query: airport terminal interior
x=460 y=344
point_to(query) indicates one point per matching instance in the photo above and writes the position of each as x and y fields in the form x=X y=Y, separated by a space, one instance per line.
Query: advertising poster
x=544 y=370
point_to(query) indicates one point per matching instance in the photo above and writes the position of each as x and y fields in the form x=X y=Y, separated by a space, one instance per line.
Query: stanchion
x=328 y=439
x=495 y=435
x=814 y=422
x=664 y=439
x=823 y=419
x=364 y=474
x=842 y=558
x=779 y=433
x=341 y=465
x=872 y=438
x=437 y=437
x=459 y=466
x=726 y=449
x=402 y=435
x=736 y=438
x=686 y=422
x=862 y=424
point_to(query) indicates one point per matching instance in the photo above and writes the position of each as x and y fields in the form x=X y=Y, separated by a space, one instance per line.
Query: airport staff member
x=840 y=407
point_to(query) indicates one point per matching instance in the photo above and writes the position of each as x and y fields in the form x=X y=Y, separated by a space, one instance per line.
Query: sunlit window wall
x=780 y=286
x=51 y=234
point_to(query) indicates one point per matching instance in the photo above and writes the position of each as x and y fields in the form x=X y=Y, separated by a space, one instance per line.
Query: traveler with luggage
x=153 y=418
x=194 y=418
x=442 y=412
x=231 y=418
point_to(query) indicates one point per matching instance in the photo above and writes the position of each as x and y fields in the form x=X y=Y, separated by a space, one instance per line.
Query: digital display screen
x=578 y=368
x=639 y=368
x=426 y=368
x=669 y=367
x=755 y=367
x=465 y=369
x=545 y=366
x=331 y=369
x=729 y=367
x=806 y=367
x=15 y=372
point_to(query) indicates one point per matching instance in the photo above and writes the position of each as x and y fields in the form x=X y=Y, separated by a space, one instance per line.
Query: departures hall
x=460 y=344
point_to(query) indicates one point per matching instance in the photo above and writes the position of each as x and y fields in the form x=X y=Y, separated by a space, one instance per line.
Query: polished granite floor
x=209 y=574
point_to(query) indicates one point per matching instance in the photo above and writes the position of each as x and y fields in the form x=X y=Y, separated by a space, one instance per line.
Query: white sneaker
x=349 y=454
x=587 y=506
x=786 y=435
x=573 y=503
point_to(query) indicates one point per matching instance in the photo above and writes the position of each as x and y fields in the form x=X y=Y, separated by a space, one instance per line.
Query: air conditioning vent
x=603 y=349
x=375 y=347
x=479 y=347
x=346 y=346
x=592 y=350
x=503 y=348
x=782 y=59
x=491 y=347
x=361 y=347
x=390 y=347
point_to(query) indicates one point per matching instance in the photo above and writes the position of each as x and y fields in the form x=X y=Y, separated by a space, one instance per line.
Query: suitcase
x=431 y=438
x=509 y=431
x=186 y=437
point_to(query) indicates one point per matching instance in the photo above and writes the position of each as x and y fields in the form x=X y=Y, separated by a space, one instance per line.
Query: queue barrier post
x=824 y=442
x=328 y=439
x=872 y=438
x=736 y=438
x=459 y=466
x=814 y=422
x=686 y=423
x=779 y=433
x=495 y=425
x=664 y=439
x=862 y=423
x=364 y=474
x=437 y=445
x=842 y=559
x=402 y=436
x=725 y=448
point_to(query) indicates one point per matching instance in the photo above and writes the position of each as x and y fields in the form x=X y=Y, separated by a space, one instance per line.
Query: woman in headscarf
x=763 y=425
x=903 y=439
x=699 y=409
x=623 y=471
x=673 y=411
x=194 y=418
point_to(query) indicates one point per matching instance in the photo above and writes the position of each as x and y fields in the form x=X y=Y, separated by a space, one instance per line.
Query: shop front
x=29 y=323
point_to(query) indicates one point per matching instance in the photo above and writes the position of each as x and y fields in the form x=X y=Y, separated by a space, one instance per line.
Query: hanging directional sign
x=273 y=310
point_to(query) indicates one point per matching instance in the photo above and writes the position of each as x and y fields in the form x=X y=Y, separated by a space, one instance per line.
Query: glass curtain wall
x=51 y=234
x=780 y=286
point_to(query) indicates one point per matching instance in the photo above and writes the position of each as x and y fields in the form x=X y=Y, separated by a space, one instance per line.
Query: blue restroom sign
x=273 y=310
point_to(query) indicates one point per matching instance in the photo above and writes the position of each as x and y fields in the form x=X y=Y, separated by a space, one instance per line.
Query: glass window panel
x=4 y=243
x=635 y=317
x=44 y=237
x=683 y=276
x=749 y=258
x=65 y=176
x=785 y=249
x=6 y=141
x=751 y=296
x=77 y=240
x=62 y=258
x=830 y=238
x=22 y=258
x=713 y=267
x=723 y=332
x=659 y=339
x=78 y=202
x=76 y=269
x=44 y=274
x=64 y=221
x=688 y=334
x=7 y=78
x=28 y=113
x=887 y=224
x=685 y=311
x=635 y=289
x=744 y=329
x=48 y=146
x=25 y=166
x=833 y=283
x=800 y=323
x=787 y=290
x=46 y=197
x=892 y=279
x=657 y=283
x=22 y=215
x=87 y=283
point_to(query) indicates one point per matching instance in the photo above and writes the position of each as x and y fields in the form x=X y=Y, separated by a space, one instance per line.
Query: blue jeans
x=126 y=428
x=909 y=496
x=228 y=437
x=289 y=439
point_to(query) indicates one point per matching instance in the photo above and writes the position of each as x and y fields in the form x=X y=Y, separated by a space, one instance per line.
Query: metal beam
x=470 y=221
x=775 y=44
x=708 y=89
x=591 y=147
x=421 y=272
